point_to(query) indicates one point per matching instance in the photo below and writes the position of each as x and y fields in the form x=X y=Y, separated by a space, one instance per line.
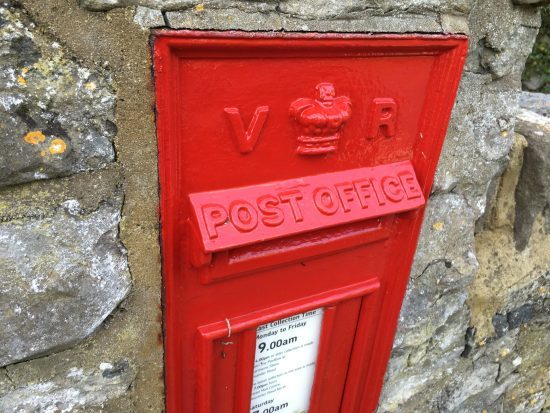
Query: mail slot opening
x=293 y=249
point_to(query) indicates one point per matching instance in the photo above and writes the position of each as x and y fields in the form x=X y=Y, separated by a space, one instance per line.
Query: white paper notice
x=284 y=365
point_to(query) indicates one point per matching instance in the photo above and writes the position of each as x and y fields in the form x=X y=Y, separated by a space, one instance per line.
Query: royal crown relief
x=319 y=121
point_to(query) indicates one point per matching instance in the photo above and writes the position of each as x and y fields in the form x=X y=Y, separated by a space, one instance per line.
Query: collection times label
x=284 y=364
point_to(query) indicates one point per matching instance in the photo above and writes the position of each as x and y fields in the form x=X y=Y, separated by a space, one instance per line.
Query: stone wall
x=80 y=281
x=79 y=252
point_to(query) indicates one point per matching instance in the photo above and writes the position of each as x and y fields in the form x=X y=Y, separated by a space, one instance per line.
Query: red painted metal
x=236 y=217
x=294 y=169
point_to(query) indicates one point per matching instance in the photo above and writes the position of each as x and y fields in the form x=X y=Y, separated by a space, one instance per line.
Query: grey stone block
x=434 y=317
x=533 y=190
x=502 y=37
x=147 y=17
x=303 y=9
x=56 y=115
x=239 y=19
x=535 y=102
x=60 y=277
x=478 y=140
x=531 y=2
x=298 y=15
x=75 y=390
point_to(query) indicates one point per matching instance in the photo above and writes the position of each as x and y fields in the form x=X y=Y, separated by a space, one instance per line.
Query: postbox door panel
x=230 y=377
x=294 y=174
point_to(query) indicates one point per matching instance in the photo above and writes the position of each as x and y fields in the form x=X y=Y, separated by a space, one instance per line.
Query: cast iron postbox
x=294 y=173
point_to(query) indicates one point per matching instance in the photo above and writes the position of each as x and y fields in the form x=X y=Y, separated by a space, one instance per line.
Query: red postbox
x=294 y=173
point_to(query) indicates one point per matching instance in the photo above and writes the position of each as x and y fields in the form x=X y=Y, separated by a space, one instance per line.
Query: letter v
x=246 y=140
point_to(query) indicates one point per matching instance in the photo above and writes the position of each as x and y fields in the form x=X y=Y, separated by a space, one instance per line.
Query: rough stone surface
x=457 y=345
x=533 y=191
x=480 y=133
x=502 y=296
x=73 y=390
x=447 y=228
x=303 y=9
x=478 y=140
x=133 y=330
x=531 y=392
x=531 y=2
x=502 y=37
x=57 y=115
x=61 y=276
x=535 y=102
x=146 y=17
x=297 y=15
x=211 y=18
x=434 y=316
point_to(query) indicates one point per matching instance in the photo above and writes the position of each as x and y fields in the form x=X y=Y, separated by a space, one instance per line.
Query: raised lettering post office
x=295 y=170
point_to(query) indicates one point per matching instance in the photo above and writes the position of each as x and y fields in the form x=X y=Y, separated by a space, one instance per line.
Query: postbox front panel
x=294 y=174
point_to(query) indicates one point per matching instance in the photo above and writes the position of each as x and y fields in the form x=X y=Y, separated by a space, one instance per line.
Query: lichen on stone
x=53 y=122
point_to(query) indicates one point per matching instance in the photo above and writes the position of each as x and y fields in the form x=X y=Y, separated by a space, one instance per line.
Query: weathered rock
x=434 y=318
x=480 y=133
x=530 y=304
x=531 y=2
x=502 y=37
x=500 y=324
x=76 y=390
x=535 y=102
x=531 y=392
x=510 y=288
x=60 y=277
x=338 y=9
x=447 y=238
x=478 y=140
x=438 y=363
x=405 y=388
x=481 y=378
x=303 y=9
x=501 y=207
x=146 y=17
x=99 y=5
x=57 y=115
x=533 y=190
x=297 y=15
x=455 y=23
x=535 y=403
x=243 y=18
x=478 y=384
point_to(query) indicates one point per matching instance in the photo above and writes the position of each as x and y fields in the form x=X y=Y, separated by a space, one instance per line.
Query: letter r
x=382 y=117
x=214 y=215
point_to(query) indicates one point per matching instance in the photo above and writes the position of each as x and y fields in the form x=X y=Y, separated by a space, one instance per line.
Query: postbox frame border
x=452 y=51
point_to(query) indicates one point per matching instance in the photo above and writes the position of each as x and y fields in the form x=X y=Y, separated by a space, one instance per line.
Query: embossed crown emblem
x=320 y=120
